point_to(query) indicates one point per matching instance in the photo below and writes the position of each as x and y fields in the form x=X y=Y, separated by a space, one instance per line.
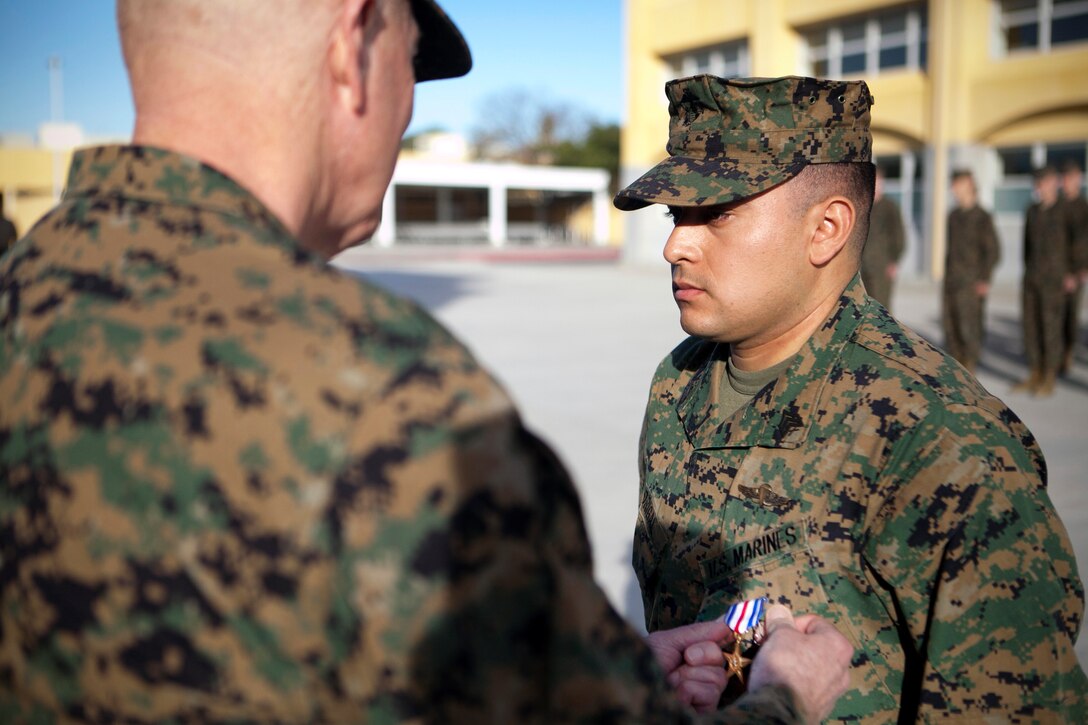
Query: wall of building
x=30 y=178
x=966 y=102
x=546 y=204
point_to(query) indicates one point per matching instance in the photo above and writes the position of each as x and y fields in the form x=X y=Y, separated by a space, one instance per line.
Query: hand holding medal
x=745 y=619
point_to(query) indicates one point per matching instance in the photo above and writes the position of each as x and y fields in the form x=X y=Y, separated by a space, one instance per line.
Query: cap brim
x=680 y=181
x=442 y=51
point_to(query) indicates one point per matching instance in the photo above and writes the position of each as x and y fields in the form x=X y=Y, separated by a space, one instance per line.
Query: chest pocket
x=775 y=563
x=780 y=563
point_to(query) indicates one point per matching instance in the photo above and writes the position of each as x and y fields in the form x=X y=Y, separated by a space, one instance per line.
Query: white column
x=444 y=204
x=908 y=166
x=602 y=204
x=387 y=230
x=496 y=214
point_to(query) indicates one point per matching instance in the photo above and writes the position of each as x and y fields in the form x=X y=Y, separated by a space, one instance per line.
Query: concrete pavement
x=577 y=344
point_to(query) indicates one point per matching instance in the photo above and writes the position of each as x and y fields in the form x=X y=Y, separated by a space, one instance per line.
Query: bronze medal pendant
x=736 y=662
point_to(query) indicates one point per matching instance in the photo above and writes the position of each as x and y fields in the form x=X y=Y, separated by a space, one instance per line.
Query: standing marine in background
x=884 y=247
x=1076 y=218
x=972 y=254
x=1048 y=280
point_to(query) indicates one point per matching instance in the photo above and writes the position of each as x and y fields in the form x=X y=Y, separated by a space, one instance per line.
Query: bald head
x=174 y=46
x=303 y=102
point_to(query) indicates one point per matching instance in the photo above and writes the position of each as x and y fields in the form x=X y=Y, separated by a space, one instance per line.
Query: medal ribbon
x=742 y=616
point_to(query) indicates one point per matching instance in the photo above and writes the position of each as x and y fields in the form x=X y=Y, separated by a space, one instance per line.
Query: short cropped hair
x=1044 y=171
x=958 y=174
x=1071 y=166
x=856 y=181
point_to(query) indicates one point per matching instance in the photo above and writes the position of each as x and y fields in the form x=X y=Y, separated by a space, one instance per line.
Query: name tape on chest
x=769 y=544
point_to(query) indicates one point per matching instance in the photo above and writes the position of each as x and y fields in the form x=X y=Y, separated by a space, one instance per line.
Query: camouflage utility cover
x=730 y=139
x=878 y=484
x=241 y=486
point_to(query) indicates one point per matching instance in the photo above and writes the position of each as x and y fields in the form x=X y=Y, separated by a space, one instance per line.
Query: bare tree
x=518 y=125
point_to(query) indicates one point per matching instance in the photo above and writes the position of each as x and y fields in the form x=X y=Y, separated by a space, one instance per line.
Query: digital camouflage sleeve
x=877 y=484
x=241 y=486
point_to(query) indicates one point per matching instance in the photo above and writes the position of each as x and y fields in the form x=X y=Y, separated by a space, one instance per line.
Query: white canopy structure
x=497 y=180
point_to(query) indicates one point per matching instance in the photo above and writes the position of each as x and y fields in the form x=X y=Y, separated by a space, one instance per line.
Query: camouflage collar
x=159 y=176
x=780 y=415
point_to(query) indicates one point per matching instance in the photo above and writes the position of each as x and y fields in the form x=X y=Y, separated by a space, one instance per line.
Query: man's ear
x=348 y=52
x=835 y=219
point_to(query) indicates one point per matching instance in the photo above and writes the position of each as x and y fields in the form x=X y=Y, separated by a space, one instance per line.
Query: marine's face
x=1071 y=184
x=1047 y=189
x=963 y=190
x=740 y=271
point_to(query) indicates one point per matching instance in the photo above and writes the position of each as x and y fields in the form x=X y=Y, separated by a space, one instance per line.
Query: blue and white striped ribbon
x=742 y=616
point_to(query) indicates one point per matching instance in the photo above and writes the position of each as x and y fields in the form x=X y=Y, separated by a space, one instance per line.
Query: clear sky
x=568 y=51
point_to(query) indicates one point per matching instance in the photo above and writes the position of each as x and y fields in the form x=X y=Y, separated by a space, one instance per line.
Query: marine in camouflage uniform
x=1076 y=217
x=1047 y=277
x=883 y=248
x=241 y=486
x=872 y=481
x=971 y=255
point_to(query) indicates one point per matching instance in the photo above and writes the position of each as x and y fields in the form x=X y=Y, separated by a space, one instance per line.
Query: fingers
x=778 y=615
x=673 y=678
x=686 y=636
x=803 y=621
x=704 y=654
x=700 y=697
x=836 y=645
x=710 y=675
x=702 y=687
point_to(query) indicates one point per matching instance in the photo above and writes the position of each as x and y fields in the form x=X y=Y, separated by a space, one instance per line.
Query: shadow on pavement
x=1004 y=343
x=433 y=291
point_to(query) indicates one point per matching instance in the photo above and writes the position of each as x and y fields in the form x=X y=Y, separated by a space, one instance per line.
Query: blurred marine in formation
x=972 y=253
x=802 y=445
x=241 y=486
x=884 y=247
x=1076 y=216
x=1048 y=280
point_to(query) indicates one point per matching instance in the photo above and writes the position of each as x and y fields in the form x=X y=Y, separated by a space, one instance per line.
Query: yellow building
x=436 y=197
x=31 y=179
x=994 y=86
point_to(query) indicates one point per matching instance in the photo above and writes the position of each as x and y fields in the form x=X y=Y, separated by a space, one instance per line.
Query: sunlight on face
x=740 y=271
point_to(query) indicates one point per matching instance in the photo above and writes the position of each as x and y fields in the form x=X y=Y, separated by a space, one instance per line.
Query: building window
x=870 y=44
x=727 y=60
x=1039 y=25
x=1014 y=189
x=1058 y=153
